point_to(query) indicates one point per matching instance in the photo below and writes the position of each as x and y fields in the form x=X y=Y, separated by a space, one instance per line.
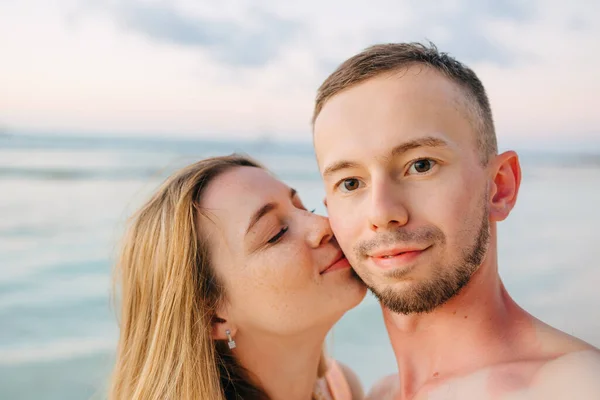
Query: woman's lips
x=340 y=263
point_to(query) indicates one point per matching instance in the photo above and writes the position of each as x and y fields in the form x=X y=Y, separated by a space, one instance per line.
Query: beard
x=448 y=277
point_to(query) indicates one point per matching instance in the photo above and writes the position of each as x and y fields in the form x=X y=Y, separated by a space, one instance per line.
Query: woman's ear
x=506 y=180
x=220 y=323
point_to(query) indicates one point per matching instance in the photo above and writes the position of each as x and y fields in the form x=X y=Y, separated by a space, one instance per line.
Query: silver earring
x=230 y=340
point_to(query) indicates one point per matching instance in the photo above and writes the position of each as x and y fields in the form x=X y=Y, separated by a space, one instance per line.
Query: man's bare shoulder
x=385 y=389
x=573 y=375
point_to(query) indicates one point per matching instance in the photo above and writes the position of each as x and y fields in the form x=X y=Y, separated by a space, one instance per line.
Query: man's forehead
x=416 y=82
x=373 y=119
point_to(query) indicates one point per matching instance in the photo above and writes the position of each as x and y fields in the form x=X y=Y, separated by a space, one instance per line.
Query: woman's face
x=282 y=269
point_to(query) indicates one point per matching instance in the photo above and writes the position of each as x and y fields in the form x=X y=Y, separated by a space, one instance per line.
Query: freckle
x=454 y=313
x=436 y=374
x=466 y=317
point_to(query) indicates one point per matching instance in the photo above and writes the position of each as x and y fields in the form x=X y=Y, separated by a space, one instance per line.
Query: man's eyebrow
x=264 y=210
x=429 y=141
x=338 y=166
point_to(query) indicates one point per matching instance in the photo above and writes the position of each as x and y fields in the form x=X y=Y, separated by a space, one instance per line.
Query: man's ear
x=220 y=323
x=506 y=180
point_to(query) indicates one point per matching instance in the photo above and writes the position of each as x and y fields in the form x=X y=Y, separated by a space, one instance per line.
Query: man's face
x=406 y=193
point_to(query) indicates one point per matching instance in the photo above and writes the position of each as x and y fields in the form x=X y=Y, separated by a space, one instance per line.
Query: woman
x=228 y=289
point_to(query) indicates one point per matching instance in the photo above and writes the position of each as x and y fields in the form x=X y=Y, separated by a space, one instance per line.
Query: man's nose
x=386 y=209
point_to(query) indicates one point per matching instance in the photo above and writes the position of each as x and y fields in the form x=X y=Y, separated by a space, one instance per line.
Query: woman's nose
x=319 y=230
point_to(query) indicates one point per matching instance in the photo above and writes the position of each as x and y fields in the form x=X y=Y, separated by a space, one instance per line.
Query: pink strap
x=336 y=380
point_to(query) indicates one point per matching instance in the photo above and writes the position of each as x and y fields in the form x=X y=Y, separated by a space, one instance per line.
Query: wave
x=64 y=349
x=72 y=174
x=120 y=174
x=144 y=144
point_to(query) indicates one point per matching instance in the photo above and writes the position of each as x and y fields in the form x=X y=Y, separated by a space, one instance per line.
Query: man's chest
x=504 y=382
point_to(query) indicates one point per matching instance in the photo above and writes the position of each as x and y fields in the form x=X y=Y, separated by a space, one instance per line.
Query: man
x=405 y=141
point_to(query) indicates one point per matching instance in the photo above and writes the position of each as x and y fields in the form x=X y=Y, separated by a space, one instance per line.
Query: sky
x=250 y=69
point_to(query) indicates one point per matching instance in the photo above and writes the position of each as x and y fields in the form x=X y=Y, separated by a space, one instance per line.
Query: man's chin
x=378 y=281
x=409 y=297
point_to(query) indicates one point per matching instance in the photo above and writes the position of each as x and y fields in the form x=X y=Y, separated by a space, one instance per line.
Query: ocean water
x=63 y=203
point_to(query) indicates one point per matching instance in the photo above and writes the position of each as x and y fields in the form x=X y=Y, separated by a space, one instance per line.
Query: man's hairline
x=398 y=72
x=465 y=103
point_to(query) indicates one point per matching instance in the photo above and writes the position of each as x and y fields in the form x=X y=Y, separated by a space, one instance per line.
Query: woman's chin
x=362 y=292
x=349 y=289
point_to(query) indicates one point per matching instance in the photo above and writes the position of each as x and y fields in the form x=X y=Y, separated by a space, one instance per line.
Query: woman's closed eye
x=279 y=235
x=283 y=230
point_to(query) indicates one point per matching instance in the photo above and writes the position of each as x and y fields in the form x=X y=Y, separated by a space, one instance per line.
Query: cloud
x=460 y=28
x=253 y=43
x=245 y=67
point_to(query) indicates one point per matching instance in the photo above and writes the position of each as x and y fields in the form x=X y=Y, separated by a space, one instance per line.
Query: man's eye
x=349 y=185
x=276 y=238
x=421 y=166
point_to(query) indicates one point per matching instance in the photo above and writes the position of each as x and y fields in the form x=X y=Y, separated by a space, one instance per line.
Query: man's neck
x=478 y=327
x=285 y=368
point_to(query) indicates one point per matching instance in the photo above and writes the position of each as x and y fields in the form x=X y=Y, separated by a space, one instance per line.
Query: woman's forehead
x=236 y=194
x=241 y=185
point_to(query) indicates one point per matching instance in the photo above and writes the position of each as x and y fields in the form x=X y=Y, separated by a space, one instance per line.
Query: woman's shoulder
x=343 y=382
x=385 y=389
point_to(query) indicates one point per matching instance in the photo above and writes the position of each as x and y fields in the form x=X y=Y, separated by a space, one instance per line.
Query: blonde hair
x=169 y=295
x=168 y=299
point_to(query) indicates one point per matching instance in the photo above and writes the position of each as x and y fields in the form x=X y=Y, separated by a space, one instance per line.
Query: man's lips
x=339 y=262
x=393 y=252
x=396 y=257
